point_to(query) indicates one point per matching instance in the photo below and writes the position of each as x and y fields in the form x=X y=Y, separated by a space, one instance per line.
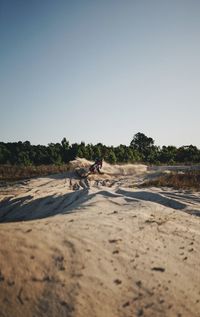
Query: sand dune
x=108 y=249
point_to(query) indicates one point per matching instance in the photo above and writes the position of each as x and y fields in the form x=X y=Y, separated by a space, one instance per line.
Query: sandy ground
x=109 y=250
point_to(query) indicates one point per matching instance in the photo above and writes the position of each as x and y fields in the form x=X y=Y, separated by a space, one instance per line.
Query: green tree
x=55 y=151
x=111 y=158
x=143 y=145
x=187 y=154
x=65 y=150
x=168 y=154
x=120 y=153
x=4 y=154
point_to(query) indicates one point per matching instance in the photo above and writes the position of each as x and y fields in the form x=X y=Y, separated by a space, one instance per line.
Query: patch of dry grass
x=13 y=173
x=186 y=180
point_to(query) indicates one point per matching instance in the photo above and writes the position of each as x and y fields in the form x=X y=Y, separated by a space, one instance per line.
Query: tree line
x=141 y=149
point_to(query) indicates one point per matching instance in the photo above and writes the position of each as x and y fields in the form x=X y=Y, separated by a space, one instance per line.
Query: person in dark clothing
x=95 y=168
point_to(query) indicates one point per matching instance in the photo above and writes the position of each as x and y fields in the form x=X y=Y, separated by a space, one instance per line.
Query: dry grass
x=187 y=180
x=13 y=173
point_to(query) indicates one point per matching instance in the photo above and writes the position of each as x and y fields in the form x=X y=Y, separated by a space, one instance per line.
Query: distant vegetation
x=186 y=180
x=15 y=172
x=141 y=149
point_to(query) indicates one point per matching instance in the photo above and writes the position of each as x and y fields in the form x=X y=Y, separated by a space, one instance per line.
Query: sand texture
x=99 y=248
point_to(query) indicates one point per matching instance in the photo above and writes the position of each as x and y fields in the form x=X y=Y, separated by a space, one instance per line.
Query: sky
x=100 y=71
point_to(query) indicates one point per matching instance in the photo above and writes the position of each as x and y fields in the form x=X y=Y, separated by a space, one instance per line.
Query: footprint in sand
x=19 y=296
x=114 y=212
x=69 y=307
x=29 y=230
x=58 y=260
x=10 y=283
x=140 y=312
x=114 y=240
x=138 y=283
x=158 y=269
x=126 y=304
x=115 y=251
x=117 y=281
x=1 y=277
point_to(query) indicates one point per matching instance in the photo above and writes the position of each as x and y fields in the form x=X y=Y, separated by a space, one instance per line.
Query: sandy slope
x=108 y=250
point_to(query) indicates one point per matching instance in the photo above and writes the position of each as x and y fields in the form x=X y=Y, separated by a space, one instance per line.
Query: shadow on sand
x=27 y=208
x=160 y=199
x=153 y=197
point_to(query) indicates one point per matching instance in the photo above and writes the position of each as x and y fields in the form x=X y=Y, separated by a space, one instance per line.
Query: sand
x=109 y=250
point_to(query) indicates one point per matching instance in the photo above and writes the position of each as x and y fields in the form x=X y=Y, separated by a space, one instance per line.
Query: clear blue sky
x=100 y=71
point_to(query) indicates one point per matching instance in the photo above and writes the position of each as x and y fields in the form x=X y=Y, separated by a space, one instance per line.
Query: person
x=94 y=168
